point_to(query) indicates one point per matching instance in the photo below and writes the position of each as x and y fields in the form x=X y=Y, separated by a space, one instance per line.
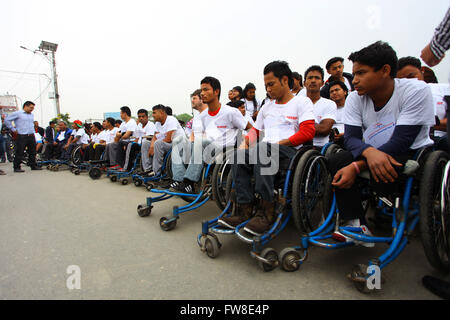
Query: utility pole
x=46 y=47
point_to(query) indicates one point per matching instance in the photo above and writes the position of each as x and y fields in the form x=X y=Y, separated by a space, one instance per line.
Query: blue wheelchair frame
x=116 y=175
x=403 y=225
x=139 y=180
x=266 y=257
x=199 y=199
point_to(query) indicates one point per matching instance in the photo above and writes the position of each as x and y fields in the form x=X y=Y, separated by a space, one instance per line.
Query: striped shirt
x=441 y=39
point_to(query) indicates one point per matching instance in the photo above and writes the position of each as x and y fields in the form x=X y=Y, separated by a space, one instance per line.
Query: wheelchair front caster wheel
x=95 y=173
x=124 y=182
x=211 y=247
x=137 y=182
x=290 y=259
x=113 y=178
x=271 y=256
x=149 y=187
x=167 y=226
x=144 y=211
x=359 y=278
x=76 y=172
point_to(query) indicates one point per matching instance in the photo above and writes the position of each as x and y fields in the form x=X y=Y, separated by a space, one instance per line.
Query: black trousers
x=266 y=160
x=22 y=142
x=349 y=201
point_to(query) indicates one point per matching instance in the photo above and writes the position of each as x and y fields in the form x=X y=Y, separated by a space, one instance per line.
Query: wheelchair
x=267 y=258
x=149 y=182
x=212 y=183
x=122 y=176
x=423 y=199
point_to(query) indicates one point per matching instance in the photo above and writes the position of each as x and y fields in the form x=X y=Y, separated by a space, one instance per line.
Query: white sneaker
x=340 y=237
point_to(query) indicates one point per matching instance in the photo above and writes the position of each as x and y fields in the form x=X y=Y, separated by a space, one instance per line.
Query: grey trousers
x=145 y=159
x=160 y=148
x=116 y=153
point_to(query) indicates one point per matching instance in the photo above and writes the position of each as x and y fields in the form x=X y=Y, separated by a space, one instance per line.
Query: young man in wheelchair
x=78 y=137
x=144 y=131
x=386 y=121
x=283 y=126
x=167 y=128
x=216 y=128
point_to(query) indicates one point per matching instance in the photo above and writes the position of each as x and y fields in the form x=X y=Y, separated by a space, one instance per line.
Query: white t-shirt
x=281 y=121
x=110 y=135
x=439 y=90
x=170 y=124
x=94 y=138
x=249 y=106
x=339 y=119
x=411 y=104
x=222 y=128
x=249 y=119
x=148 y=130
x=37 y=137
x=302 y=92
x=323 y=109
x=61 y=135
x=103 y=135
x=128 y=126
x=82 y=135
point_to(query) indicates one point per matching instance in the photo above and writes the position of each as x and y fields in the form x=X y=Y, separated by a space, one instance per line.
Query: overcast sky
x=142 y=53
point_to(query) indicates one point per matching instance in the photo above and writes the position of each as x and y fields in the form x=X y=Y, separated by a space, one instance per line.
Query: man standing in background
x=23 y=133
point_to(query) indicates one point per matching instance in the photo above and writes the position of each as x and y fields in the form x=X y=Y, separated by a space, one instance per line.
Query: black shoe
x=36 y=168
x=184 y=187
x=19 y=170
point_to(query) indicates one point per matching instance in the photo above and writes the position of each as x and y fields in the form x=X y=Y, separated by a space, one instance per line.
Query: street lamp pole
x=46 y=47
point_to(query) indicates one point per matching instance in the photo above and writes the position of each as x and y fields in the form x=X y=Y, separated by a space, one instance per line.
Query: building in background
x=8 y=104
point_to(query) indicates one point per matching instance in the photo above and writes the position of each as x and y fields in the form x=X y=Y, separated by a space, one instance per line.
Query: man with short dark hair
x=49 y=139
x=115 y=151
x=335 y=67
x=338 y=93
x=167 y=128
x=215 y=128
x=324 y=109
x=402 y=107
x=144 y=131
x=23 y=132
x=286 y=123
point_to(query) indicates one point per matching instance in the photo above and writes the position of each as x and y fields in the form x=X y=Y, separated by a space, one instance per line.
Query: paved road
x=51 y=220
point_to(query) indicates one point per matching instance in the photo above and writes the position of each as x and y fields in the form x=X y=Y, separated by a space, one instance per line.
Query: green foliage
x=64 y=117
x=184 y=117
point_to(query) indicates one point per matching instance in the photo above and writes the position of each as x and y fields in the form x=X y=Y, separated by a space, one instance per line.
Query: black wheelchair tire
x=299 y=216
x=430 y=215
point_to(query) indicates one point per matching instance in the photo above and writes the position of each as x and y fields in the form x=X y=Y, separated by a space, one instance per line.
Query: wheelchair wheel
x=332 y=149
x=435 y=217
x=271 y=255
x=77 y=156
x=309 y=187
x=95 y=173
x=219 y=183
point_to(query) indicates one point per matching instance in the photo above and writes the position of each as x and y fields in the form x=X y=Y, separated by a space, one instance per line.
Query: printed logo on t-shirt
x=291 y=117
x=222 y=127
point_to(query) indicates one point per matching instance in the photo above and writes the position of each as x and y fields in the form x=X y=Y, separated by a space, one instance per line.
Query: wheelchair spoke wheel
x=435 y=222
x=311 y=180
x=219 y=183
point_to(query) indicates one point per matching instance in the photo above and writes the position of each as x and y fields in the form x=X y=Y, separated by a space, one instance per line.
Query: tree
x=64 y=117
x=185 y=117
